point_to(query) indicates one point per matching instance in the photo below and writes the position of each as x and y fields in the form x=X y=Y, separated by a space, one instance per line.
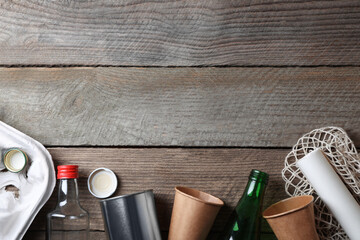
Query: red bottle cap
x=67 y=171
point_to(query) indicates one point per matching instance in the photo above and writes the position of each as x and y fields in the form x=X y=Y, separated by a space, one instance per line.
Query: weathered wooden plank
x=221 y=172
x=179 y=106
x=180 y=33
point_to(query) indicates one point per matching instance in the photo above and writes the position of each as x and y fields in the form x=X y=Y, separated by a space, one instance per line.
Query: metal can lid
x=102 y=183
x=15 y=160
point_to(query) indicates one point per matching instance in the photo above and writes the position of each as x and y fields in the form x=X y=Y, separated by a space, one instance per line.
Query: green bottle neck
x=253 y=193
x=255 y=189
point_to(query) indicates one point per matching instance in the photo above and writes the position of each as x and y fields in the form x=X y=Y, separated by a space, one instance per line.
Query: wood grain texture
x=180 y=33
x=221 y=172
x=257 y=107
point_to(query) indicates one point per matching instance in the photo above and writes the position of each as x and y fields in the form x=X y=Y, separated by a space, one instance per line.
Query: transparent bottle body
x=68 y=220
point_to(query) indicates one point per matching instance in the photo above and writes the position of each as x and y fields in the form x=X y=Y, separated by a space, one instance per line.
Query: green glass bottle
x=245 y=221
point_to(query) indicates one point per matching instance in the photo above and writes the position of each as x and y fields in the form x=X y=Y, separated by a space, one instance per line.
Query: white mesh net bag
x=341 y=152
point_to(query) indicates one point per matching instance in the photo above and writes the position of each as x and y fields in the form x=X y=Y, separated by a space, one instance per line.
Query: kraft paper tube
x=332 y=191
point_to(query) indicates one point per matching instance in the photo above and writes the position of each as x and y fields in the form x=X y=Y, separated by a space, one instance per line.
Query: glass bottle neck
x=68 y=192
x=253 y=194
x=254 y=189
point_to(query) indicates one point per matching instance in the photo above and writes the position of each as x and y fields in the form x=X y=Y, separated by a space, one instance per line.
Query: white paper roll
x=332 y=191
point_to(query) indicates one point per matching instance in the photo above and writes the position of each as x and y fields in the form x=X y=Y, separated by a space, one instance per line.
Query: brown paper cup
x=193 y=214
x=293 y=218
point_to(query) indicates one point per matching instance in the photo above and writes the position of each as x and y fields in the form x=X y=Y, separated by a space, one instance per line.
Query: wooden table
x=167 y=93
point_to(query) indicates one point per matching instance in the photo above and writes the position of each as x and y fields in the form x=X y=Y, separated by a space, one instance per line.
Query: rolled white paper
x=332 y=191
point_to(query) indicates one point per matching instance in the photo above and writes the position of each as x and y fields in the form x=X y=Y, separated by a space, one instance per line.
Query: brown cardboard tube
x=193 y=214
x=293 y=218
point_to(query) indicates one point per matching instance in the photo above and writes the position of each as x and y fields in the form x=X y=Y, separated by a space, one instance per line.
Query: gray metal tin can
x=131 y=217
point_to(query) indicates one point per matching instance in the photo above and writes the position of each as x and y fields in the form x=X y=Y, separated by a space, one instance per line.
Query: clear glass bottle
x=68 y=221
x=245 y=222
